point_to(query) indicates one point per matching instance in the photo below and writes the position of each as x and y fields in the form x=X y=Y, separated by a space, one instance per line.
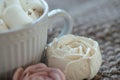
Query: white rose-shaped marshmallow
x=78 y=57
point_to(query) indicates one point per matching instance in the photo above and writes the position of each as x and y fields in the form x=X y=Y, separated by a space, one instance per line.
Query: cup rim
x=45 y=7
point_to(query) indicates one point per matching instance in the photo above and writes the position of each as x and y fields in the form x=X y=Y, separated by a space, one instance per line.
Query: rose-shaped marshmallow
x=38 y=72
x=78 y=57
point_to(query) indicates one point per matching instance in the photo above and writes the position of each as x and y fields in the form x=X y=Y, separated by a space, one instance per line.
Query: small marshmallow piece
x=34 y=5
x=3 y=26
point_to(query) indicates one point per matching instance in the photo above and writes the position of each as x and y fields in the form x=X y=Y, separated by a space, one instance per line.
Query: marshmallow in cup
x=32 y=6
x=20 y=12
x=6 y=3
x=3 y=26
x=15 y=16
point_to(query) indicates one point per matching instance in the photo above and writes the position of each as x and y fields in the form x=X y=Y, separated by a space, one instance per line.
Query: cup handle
x=58 y=13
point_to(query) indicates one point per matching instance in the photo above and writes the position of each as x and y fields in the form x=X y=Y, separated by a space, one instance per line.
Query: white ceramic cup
x=25 y=45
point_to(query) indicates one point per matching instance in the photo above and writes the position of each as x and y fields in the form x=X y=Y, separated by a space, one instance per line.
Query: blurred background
x=99 y=20
x=89 y=11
